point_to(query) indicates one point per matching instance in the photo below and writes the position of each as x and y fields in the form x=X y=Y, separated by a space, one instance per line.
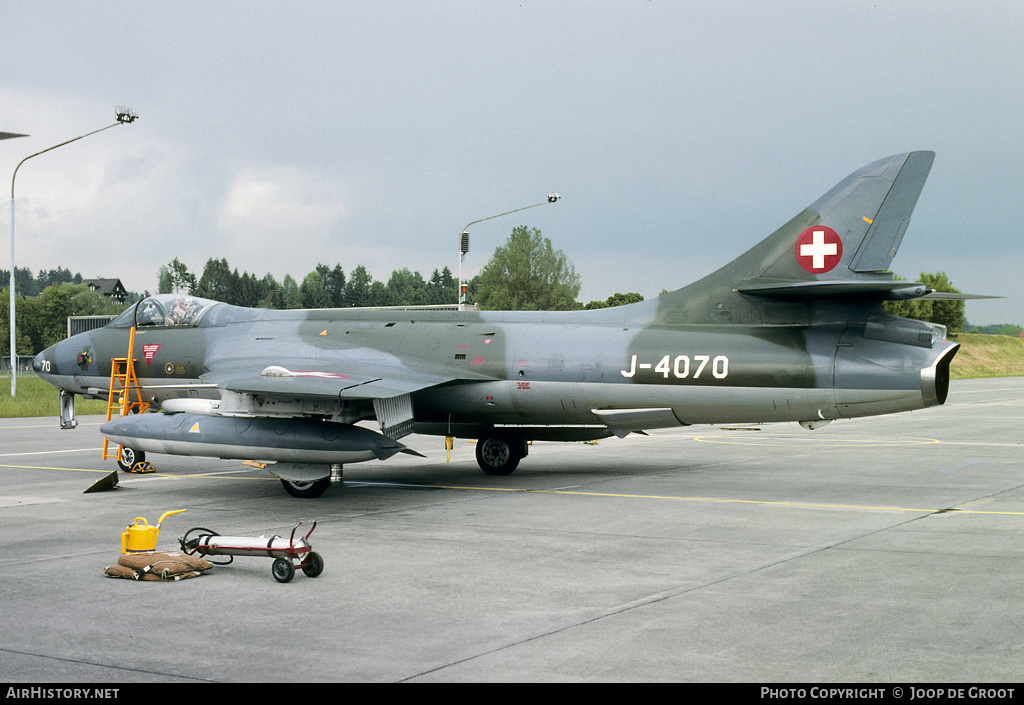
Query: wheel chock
x=109 y=482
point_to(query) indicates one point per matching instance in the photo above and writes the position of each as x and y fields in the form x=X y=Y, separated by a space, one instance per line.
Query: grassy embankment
x=979 y=356
x=988 y=356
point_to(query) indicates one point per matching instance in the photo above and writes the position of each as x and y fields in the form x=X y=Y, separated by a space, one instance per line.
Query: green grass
x=38 y=398
x=979 y=356
x=988 y=356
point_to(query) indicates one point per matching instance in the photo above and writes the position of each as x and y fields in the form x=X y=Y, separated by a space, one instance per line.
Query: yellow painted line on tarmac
x=42 y=467
x=129 y=476
x=220 y=475
x=822 y=441
x=720 y=500
x=51 y=452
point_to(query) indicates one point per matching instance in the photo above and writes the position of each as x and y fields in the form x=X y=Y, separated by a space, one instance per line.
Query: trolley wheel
x=128 y=457
x=314 y=565
x=283 y=570
x=306 y=490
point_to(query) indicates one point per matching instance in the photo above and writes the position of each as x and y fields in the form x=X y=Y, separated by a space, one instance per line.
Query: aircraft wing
x=379 y=379
x=385 y=382
x=279 y=381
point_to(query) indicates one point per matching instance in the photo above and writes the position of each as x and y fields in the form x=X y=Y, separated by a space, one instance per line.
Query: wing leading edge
x=276 y=381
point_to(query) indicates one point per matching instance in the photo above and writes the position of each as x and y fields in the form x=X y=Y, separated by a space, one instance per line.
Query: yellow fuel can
x=140 y=537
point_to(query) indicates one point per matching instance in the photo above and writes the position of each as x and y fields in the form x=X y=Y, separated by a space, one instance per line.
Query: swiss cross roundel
x=819 y=249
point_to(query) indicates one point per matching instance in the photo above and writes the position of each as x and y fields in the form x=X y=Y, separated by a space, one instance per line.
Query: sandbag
x=119 y=571
x=158 y=565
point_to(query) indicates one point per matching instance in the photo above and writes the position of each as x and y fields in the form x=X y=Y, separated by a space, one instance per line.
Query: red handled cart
x=288 y=554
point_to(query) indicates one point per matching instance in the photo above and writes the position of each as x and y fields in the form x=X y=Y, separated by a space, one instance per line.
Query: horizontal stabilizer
x=837 y=288
x=852 y=289
x=950 y=296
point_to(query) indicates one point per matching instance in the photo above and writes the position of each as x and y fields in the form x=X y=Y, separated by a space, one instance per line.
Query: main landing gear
x=309 y=489
x=500 y=453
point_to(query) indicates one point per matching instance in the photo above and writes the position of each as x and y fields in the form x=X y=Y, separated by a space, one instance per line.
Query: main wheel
x=498 y=454
x=314 y=565
x=283 y=570
x=306 y=490
x=128 y=457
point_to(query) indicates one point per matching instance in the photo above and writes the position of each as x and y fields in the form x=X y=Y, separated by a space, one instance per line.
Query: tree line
x=324 y=287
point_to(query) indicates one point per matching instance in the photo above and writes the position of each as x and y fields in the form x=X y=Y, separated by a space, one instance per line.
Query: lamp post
x=124 y=116
x=464 y=239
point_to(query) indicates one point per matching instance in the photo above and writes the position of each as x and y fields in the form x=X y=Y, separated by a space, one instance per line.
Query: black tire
x=499 y=454
x=314 y=565
x=306 y=490
x=283 y=570
x=128 y=457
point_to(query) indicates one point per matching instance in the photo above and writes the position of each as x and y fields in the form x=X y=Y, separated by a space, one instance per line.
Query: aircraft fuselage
x=542 y=369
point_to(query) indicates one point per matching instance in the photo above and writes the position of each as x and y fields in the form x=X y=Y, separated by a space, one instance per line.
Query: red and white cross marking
x=819 y=249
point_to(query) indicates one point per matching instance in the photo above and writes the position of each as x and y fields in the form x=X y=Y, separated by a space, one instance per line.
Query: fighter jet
x=790 y=331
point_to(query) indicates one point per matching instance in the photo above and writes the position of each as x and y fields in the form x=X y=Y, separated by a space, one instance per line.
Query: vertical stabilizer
x=854 y=228
x=839 y=245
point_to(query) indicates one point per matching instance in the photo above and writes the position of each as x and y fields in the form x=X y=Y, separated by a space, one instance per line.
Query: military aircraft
x=792 y=330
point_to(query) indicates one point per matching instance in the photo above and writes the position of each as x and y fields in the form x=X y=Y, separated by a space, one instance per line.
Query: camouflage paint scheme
x=792 y=330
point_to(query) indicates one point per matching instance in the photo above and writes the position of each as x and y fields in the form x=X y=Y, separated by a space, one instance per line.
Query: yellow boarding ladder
x=122 y=374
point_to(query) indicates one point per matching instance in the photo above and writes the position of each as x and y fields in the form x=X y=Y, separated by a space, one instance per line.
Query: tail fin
x=853 y=229
x=839 y=246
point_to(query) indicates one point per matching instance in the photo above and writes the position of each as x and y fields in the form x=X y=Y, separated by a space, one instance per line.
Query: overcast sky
x=279 y=135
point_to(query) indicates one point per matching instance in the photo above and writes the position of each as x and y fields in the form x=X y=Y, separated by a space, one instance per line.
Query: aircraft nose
x=49 y=361
x=43 y=362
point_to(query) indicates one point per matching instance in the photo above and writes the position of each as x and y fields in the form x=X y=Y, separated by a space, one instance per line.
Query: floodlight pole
x=464 y=240
x=124 y=116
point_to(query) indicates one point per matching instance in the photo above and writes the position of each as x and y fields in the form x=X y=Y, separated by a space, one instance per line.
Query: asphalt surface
x=883 y=550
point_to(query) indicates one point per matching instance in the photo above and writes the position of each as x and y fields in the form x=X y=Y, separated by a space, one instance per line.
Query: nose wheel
x=128 y=458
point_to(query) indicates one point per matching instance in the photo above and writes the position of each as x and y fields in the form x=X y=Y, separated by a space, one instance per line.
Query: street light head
x=552 y=197
x=125 y=115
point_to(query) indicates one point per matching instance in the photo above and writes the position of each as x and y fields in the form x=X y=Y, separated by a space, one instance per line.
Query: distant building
x=109 y=288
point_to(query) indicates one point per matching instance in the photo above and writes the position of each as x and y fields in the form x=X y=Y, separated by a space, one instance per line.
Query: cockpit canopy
x=165 y=310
